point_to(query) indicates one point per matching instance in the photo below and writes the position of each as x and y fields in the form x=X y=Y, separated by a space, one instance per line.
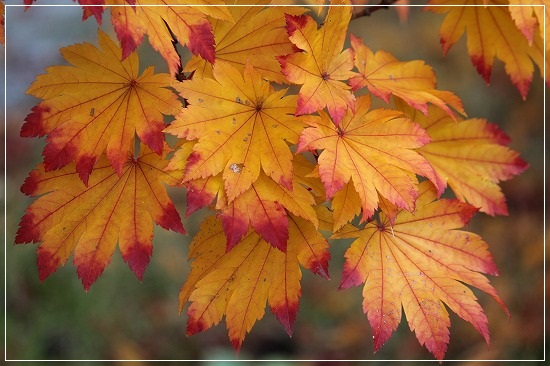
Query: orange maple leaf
x=491 y=33
x=256 y=38
x=98 y=104
x=162 y=22
x=242 y=123
x=239 y=282
x=375 y=149
x=471 y=156
x=420 y=263
x=322 y=67
x=412 y=81
x=90 y=220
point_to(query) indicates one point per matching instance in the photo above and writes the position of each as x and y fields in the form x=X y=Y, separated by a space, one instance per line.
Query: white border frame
x=7 y=6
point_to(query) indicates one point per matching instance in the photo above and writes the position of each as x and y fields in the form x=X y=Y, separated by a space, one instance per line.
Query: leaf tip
x=30 y=185
x=194 y=326
x=482 y=67
x=33 y=126
x=170 y=219
x=350 y=278
x=201 y=41
x=294 y=22
x=286 y=315
x=138 y=256
x=89 y=270
x=47 y=263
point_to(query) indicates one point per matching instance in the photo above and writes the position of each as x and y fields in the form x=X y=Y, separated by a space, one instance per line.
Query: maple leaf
x=374 y=149
x=421 y=262
x=90 y=220
x=188 y=24
x=323 y=66
x=98 y=104
x=471 y=156
x=412 y=81
x=257 y=37
x=239 y=282
x=491 y=33
x=242 y=124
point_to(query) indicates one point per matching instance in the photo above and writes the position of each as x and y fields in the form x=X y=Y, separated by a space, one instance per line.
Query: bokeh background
x=121 y=318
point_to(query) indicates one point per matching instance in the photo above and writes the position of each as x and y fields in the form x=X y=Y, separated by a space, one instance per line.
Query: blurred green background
x=121 y=318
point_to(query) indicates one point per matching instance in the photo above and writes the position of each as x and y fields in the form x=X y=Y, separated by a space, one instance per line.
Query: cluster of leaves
x=278 y=166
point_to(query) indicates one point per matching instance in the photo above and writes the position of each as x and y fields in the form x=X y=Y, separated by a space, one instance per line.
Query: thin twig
x=368 y=10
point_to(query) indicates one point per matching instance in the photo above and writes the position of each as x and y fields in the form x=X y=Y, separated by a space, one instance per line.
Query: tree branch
x=368 y=10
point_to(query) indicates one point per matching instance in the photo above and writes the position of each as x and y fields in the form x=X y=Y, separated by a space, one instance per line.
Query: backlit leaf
x=471 y=156
x=98 y=104
x=491 y=33
x=412 y=81
x=373 y=148
x=322 y=68
x=90 y=220
x=420 y=264
x=239 y=282
x=242 y=123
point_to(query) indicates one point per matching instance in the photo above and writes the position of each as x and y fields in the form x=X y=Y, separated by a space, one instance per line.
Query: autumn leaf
x=68 y=216
x=98 y=104
x=239 y=282
x=412 y=81
x=420 y=263
x=471 y=156
x=322 y=67
x=373 y=149
x=491 y=33
x=243 y=125
x=257 y=38
x=159 y=21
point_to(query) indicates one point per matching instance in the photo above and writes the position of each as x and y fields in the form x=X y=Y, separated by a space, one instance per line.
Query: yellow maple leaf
x=375 y=149
x=243 y=125
x=412 y=81
x=491 y=33
x=322 y=67
x=417 y=264
x=91 y=220
x=239 y=282
x=98 y=104
x=471 y=156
